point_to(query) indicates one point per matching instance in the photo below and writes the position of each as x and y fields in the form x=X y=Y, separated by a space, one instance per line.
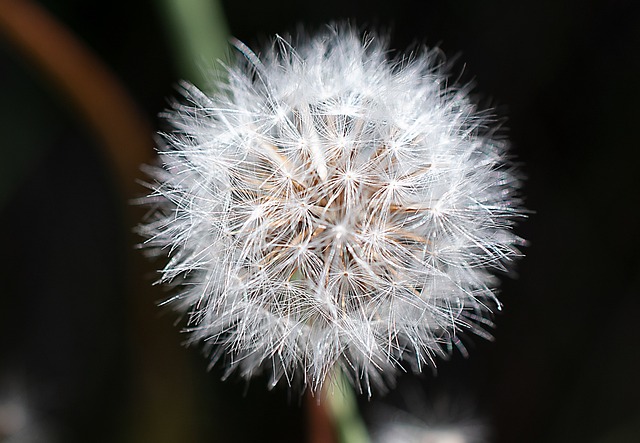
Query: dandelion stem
x=343 y=407
x=199 y=36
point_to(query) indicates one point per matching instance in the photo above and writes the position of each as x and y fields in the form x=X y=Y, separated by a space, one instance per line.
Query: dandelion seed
x=331 y=207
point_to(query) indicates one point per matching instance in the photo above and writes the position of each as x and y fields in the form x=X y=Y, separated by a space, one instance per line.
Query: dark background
x=565 y=363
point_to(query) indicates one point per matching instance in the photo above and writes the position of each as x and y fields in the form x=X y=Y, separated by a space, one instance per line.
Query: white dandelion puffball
x=328 y=207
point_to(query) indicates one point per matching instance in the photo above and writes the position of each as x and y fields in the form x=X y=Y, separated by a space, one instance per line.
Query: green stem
x=343 y=407
x=199 y=36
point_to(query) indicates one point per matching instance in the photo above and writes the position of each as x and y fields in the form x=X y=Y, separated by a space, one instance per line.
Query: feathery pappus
x=329 y=206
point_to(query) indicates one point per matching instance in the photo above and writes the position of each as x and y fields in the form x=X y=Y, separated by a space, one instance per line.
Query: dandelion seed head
x=330 y=206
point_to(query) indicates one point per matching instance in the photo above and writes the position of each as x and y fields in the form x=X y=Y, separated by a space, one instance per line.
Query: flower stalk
x=199 y=37
x=343 y=406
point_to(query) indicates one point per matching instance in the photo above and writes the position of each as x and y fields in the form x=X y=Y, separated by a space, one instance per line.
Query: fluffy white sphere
x=329 y=206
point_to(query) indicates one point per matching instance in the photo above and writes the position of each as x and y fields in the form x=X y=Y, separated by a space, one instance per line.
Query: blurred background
x=85 y=355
